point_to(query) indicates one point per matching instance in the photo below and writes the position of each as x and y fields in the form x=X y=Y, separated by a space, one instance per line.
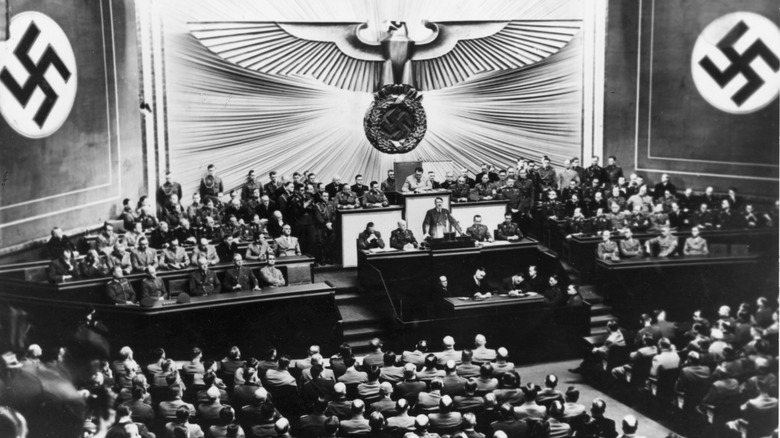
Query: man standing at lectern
x=416 y=182
x=436 y=219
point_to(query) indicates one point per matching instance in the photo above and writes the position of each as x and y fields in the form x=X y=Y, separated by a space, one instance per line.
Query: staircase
x=363 y=317
x=600 y=313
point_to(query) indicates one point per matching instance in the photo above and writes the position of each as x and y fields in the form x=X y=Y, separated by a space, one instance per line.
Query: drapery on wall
x=242 y=120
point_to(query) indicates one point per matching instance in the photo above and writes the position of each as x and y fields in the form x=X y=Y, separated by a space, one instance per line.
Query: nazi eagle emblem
x=386 y=61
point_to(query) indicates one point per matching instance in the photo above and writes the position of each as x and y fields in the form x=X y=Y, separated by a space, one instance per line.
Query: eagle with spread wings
x=347 y=56
x=390 y=63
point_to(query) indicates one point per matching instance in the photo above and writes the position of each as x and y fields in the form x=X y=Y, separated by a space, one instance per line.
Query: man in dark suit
x=370 y=238
x=203 y=281
x=477 y=286
x=435 y=222
x=239 y=277
x=410 y=388
x=509 y=424
x=663 y=186
x=604 y=426
x=534 y=280
x=359 y=189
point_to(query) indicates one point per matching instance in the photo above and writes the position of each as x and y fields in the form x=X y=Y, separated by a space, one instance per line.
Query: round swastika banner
x=37 y=75
x=736 y=62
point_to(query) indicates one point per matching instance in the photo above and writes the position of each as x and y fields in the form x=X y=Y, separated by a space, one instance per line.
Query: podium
x=417 y=204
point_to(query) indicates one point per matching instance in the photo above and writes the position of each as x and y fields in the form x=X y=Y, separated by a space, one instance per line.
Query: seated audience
x=270 y=276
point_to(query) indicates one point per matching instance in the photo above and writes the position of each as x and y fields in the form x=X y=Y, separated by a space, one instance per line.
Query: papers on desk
x=495 y=243
x=380 y=250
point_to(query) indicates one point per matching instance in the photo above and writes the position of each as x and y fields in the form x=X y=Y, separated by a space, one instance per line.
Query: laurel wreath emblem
x=391 y=96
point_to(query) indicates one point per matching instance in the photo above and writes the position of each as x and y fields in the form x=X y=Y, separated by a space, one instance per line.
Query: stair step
x=596 y=331
x=600 y=309
x=601 y=320
x=344 y=296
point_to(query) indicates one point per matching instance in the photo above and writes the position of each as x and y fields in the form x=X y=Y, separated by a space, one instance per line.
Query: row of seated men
x=726 y=369
x=112 y=251
x=664 y=245
x=474 y=391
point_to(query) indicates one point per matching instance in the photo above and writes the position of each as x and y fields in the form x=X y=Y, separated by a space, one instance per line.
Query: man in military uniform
x=464 y=172
x=107 y=238
x=233 y=227
x=374 y=197
x=346 y=200
x=577 y=224
x=119 y=290
x=704 y=218
x=597 y=202
x=436 y=219
x=527 y=193
x=658 y=219
x=174 y=256
x=416 y=182
x=695 y=245
x=168 y=188
x=569 y=190
x=206 y=251
x=630 y=247
x=325 y=217
x=548 y=180
x=402 y=238
x=153 y=286
x=553 y=208
x=143 y=256
x=160 y=236
x=678 y=219
x=173 y=212
x=185 y=233
x=239 y=277
x=449 y=180
x=121 y=258
x=203 y=281
x=508 y=230
x=638 y=221
x=272 y=186
x=271 y=276
x=479 y=232
x=594 y=171
x=209 y=211
x=388 y=185
x=210 y=230
x=460 y=190
x=211 y=185
x=370 y=238
x=572 y=204
x=607 y=249
x=193 y=210
x=613 y=171
x=600 y=222
x=666 y=243
x=484 y=190
x=616 y=217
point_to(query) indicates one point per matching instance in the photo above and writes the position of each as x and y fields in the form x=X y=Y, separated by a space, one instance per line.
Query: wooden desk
x=297 y=270
x=417 y=204
x=582 y=249
x=529 y=329
x=407 y=277
x=678 y=284
x=385 y=220
x=492 y=213
x=291 y=317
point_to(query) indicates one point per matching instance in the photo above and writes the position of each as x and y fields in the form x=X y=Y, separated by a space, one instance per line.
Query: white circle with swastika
x=736 y=63
x=38 y=78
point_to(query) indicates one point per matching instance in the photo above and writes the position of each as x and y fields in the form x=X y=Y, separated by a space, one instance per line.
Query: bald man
x=402 y=238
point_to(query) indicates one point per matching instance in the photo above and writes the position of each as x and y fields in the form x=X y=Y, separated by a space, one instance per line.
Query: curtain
x=239 y=120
